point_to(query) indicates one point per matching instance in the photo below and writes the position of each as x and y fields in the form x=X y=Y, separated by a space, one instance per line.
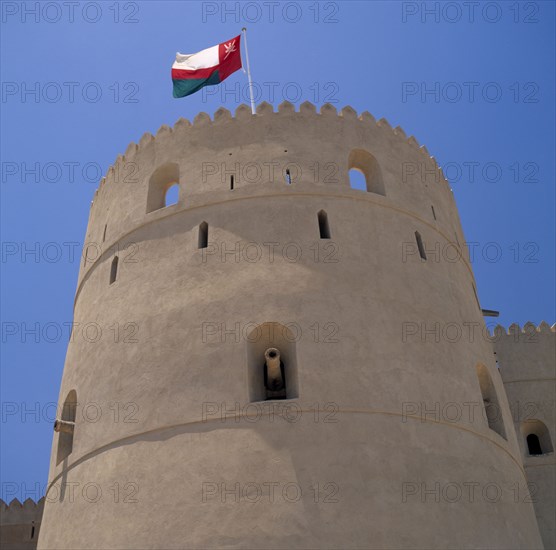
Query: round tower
x=279 y=360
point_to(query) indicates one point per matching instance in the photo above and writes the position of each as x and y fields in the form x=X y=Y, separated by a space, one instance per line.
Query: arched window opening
x=160 y=182
x=65 y=427
x=288 y=176
x=433 y=212
x=171 y=196
x=114 y=270
x=367 y=165
x=537 y=437
x=272 y=363
x=357 y=180
x=492 y=409
x=420 y=245
x=324 y=227
x=232 y=183
x=203 y=235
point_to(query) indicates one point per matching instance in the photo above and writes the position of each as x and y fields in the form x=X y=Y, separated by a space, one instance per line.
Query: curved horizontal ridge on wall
x=243 y=113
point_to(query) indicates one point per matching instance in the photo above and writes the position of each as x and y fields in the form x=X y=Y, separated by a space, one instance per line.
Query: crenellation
x=348 y=113
x=145 y=140
x=183 y=123
x=163 y=131
x=328 y=110
x=286 y=107
x=308 y=108
x=16 y=510
x=367 y=117
x=201 y=119
x=243 y=112
x=131 y=149
x=413 y=142
x=383 y=123
x=398 y=130
x=265 y=109
x=529 y=327
x=222 y=115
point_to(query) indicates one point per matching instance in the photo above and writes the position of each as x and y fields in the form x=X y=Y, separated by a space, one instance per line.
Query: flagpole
x=244 y=30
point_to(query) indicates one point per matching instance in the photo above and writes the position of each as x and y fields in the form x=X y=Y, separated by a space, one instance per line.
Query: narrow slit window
x=104 y=233
x=114 y=270
x=231 y=183
x=534 y=445
x=420 y=245
x=324 y=227
x=288 y=176
x=433 y=212
x=492 y=409
x=65 y=427
x=32 y=532
x=203 y=235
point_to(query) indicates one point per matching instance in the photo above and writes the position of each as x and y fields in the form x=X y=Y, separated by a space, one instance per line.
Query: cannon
x=274 y=375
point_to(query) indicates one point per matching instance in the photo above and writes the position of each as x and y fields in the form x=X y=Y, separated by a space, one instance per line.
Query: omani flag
x=191 y=72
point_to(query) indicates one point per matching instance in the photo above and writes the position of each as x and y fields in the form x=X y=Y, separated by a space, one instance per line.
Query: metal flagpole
x=244 y=30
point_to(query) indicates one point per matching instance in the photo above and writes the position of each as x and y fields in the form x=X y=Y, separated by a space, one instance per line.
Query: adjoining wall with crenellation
x=20 y=524
x=527 y=362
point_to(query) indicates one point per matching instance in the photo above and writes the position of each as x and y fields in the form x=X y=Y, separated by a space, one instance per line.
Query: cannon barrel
x=65 y=426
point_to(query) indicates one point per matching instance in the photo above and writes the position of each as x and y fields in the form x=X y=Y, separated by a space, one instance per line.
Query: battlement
x=273 y=155
x=17 y=512
x=264 y=109
x=20 y=523
x=514 y=330
x=525 y=353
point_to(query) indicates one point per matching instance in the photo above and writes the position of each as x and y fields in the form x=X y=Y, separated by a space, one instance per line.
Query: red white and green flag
x=191 y=72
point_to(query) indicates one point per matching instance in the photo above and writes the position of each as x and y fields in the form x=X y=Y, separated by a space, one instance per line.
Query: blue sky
x=103 y=77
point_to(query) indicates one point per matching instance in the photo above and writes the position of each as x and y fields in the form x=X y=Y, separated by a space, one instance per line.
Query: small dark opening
x=534 y=445
x=324 y=227
x=203 y=235
x=231 y=183
x=288 y=176
x=104 y=234
x=420 y=245
x=33 y=532
x=114 y=270
x=433 y=212
x=272 y=354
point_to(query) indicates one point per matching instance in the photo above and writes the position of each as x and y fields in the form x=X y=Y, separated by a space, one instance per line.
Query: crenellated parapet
x=281 y=153
x=20 y=523
x=525 y=352
x=285 y=109
x=16 y=511
x=526 y=358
